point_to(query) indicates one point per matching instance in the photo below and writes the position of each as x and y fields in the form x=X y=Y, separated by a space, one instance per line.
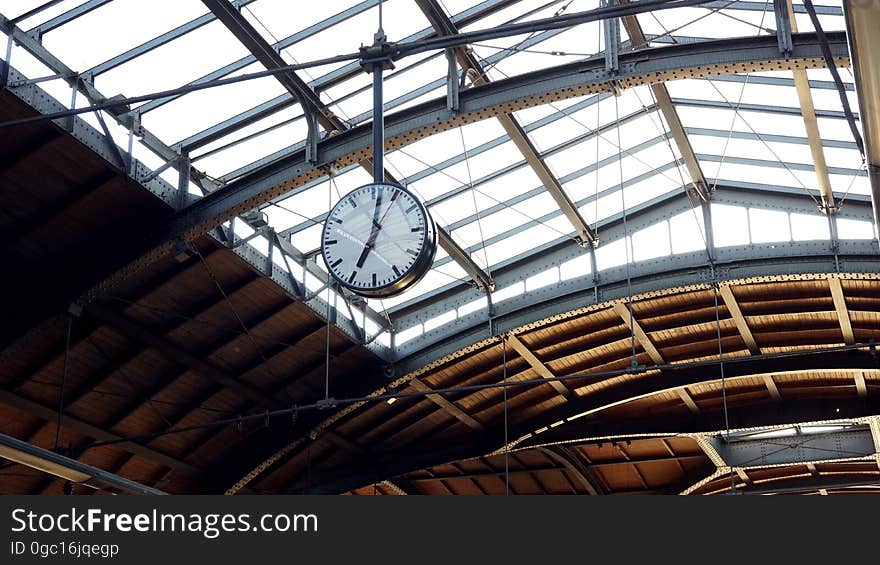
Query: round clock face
x=379 y=240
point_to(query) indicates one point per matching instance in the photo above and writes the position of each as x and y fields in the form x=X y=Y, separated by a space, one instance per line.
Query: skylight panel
x=174 y=64
x=309 y=239
x=120 y=25
x=16 y=8
x=651 y=242
x=807 y=227
x=247 y=152
x=525 y=240
x=854 y=229
x=768 y=226
x=199 y=110
x=285 y=18
x=730 y=225
x=613 y=254
x=686 y=232
x=855 y=184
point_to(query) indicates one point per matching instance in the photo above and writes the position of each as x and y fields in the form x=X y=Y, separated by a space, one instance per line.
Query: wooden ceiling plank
x=46 y=413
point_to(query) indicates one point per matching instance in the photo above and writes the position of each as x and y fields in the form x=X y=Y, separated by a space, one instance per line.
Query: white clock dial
x=378 y=240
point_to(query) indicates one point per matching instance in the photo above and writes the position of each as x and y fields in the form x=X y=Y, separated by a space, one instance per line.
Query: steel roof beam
x=700 y=187
x=67 y=17
x=527 y=90
x=309 y=100
x=473 y=68
x=808 y=111
x=159 y=41
x=862 y=23
x=66 y=468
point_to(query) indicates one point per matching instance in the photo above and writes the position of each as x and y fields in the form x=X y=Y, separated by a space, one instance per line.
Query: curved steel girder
x=492 y=439
x=647 y=66
x=701 y=59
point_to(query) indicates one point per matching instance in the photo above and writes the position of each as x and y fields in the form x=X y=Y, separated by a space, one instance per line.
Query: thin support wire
x=626 y=242
x=721 y=369
x=238 y=318
x=506 y=431
x=63 y=380
x=330 y=184
x=467 y=163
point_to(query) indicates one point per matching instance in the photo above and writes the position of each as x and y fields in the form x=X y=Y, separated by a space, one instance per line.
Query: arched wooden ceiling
x=792 y=347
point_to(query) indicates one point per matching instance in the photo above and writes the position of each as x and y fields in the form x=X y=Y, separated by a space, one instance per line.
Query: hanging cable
x=832 y=68
x=536 y=382
x=506 y=438
x=238 y=318
x=329 y=306
x=626 y=241
x=721 y=370
x=63 y=380
x=467 y=163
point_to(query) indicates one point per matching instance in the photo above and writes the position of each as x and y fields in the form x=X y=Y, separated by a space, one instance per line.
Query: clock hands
x=377 y=226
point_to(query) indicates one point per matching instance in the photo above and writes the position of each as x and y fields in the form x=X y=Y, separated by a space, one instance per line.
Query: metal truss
x=476 y=103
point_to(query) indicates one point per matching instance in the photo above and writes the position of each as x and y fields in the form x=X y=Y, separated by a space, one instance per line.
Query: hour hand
x=364 y=253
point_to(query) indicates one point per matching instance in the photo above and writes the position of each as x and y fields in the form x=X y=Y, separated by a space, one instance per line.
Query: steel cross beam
x=473 y=68
x=862 y=23
x=700 y=187
x=808 y=110
x=405 y=127
x=312 y=104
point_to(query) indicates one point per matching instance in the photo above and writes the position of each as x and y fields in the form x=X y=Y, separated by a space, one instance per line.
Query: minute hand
x=377 y=226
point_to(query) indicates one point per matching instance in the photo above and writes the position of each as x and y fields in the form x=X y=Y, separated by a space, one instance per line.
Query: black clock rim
x=420 y=266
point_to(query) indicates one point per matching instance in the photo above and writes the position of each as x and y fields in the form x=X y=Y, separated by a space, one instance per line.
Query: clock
x=379 y=240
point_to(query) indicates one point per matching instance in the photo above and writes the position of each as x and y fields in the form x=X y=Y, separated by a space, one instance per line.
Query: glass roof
x=610 y=154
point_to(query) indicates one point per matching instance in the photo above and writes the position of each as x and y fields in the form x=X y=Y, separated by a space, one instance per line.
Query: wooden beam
x=36 y=409
x=772 y=388
x=688 y=400
x=811 y=467
x=743 y=476
x=178 y=354
x=861 y=386
x=823 y=492
x=523 y=351
x=842 y=312
x=642 y=338
x=741 y=325
x=573 y=465
x=450 y=407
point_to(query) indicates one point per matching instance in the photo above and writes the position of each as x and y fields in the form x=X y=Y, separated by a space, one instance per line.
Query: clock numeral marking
x=411 y=252
x=351 y=276
x=338 y=261
x=374 y=279
x=416 y=229
x=411 y=208
x=353 y=203
x=396 y=270
x=337 y=220
x=331 y=242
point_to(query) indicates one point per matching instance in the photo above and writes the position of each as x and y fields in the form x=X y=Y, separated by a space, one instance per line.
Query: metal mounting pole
x=378 y=119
